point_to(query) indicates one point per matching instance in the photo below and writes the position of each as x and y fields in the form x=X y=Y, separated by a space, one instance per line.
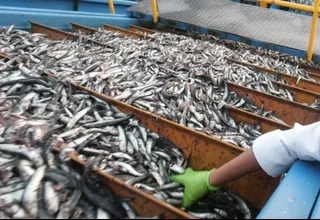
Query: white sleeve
x=276 y=151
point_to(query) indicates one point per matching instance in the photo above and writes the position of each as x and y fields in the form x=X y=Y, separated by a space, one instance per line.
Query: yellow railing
x=264 y=3
x=111 y=6
x=313 y=9
x=155 y=11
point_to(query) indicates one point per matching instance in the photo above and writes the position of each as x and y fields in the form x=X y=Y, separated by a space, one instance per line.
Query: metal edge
x=52 y=33
x=204 y=152
x=302 y=83
x=315 y=76
x=125 y=32
x=313 y=70
x=76 y=26
x=290 y=112
x=137 y=28
x=266 y=124
x=301 y=95
x=168 y=210
x=86 y=29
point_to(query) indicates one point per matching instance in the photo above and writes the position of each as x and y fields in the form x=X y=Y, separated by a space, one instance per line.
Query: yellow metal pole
x=300 y=7
x=313 y=29
x=155 y=11
x=111 y=6
x=263 y=4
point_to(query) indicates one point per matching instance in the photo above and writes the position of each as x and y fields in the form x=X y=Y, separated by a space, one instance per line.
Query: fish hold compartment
x=202 y=151
x=91 y=128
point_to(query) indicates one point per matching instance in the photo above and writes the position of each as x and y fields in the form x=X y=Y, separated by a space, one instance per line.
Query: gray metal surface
x=256 y=23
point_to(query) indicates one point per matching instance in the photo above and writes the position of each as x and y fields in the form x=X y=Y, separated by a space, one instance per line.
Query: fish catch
x=35 y=182
x=181 y=78
x=179 y=84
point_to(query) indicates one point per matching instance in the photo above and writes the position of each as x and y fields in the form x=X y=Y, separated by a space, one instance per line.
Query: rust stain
x=204 y=152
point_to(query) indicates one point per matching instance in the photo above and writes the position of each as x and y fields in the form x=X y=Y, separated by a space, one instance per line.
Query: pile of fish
x=145 y=75
x=36 y=184
x=270 y=59
x=39 y=114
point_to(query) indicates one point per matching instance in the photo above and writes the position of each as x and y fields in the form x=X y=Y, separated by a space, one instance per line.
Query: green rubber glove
x=196 y=185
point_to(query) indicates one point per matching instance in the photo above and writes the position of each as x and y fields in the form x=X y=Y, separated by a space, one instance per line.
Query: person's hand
x=196 y=185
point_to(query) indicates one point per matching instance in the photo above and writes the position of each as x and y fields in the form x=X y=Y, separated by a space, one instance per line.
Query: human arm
x=242 y=165
x=274 y=152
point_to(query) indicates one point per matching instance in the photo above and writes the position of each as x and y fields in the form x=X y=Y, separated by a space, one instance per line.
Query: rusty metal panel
x=301 y=95
x=302 y=83
x=82 y=28
x=203 y=152
x=145 y=205
x=52 y=33
x=266 y=124
x=125 y=32
x=314 y=76
x=310 y=69
x=290 y=112
x=136 y=29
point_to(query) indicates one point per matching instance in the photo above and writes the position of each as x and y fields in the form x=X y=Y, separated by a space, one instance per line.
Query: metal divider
x=288 y=111
x=140 y=29
x=82 y=28
x=52 y=33
x=301 y=95
x=143 y=203
x=125 y=32
x=292 y=80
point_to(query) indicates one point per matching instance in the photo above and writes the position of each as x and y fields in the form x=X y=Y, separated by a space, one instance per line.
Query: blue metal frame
x=98 y=6
x=316 y=210
x=296 y=195
x=61 y=20
x=202 y=30
x=4 y=8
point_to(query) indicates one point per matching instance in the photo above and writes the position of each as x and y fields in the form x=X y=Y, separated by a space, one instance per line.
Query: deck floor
x=255 y=23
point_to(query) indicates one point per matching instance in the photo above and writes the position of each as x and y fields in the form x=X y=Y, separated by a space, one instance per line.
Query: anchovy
x=29 y=199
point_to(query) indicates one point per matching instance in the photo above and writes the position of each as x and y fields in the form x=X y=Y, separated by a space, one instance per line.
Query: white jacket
x=276 y=151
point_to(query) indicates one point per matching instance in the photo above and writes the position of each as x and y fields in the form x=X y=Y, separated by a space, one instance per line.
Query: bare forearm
x=243 y=165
